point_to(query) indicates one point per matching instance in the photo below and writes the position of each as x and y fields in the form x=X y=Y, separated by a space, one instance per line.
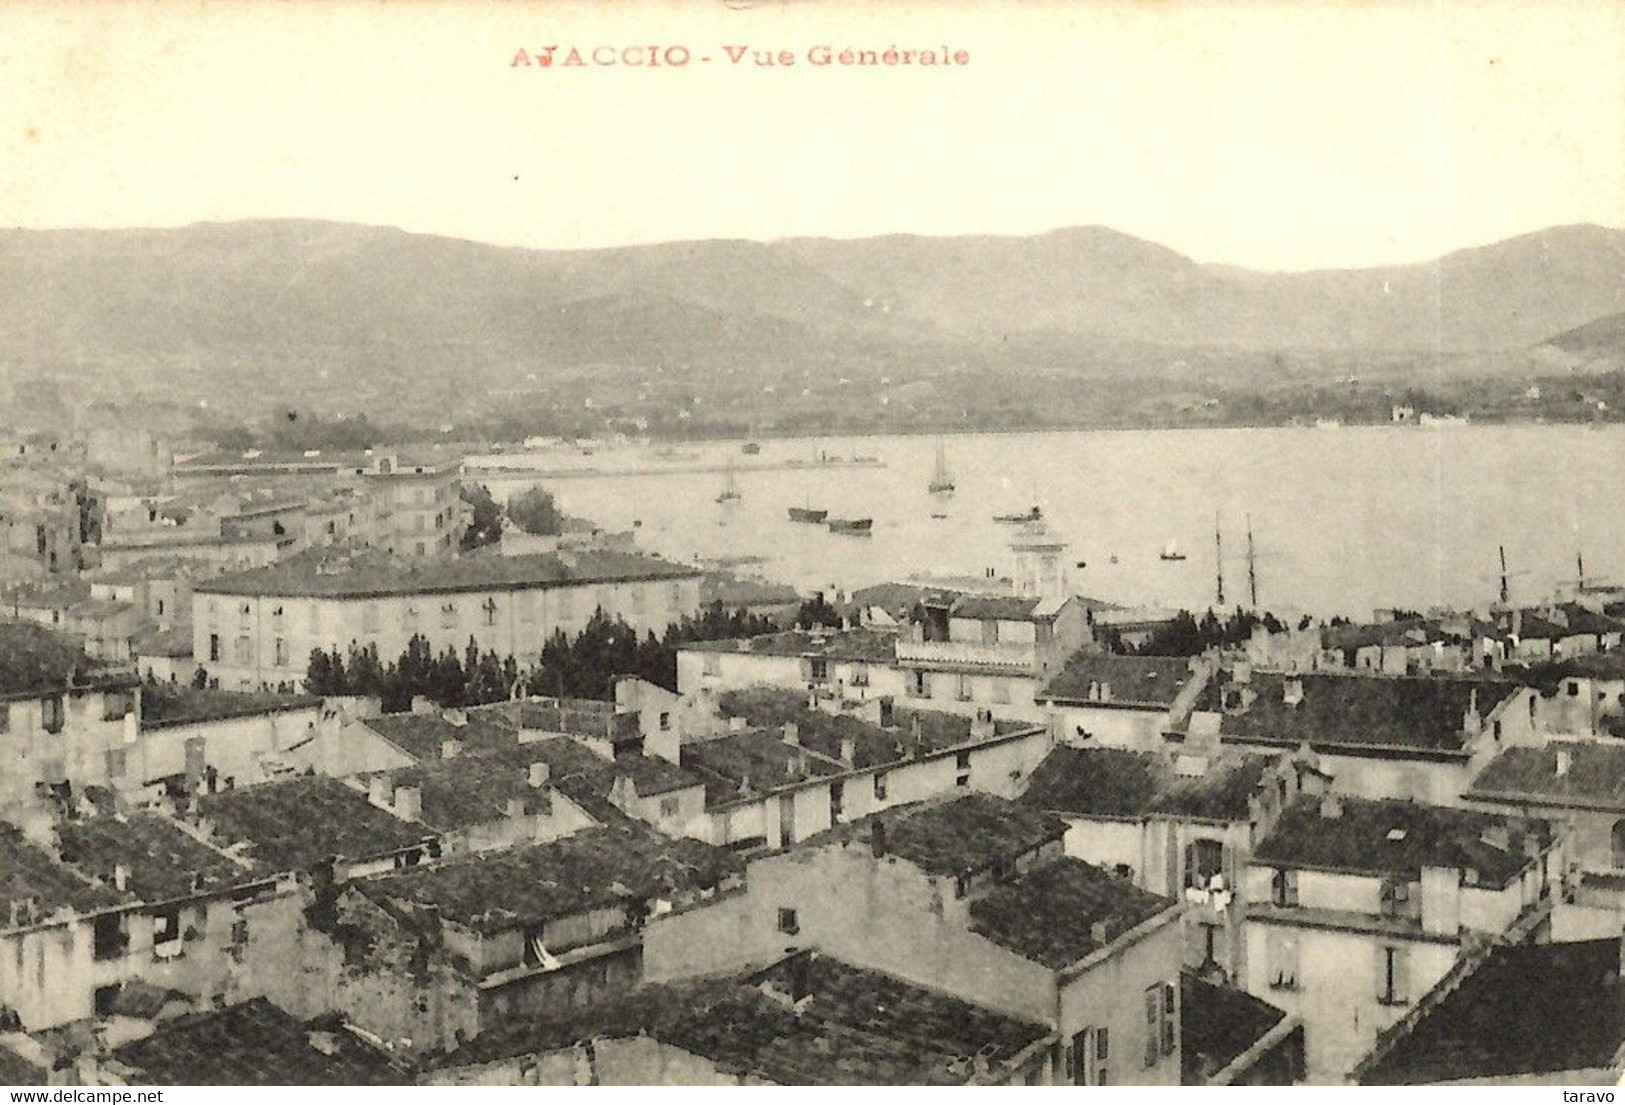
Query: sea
x=1337 y=520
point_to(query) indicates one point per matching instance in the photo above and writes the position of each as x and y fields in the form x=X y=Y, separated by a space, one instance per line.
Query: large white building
x=257 y=629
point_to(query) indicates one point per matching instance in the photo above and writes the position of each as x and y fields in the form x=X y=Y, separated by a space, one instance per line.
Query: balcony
x=1012 y=658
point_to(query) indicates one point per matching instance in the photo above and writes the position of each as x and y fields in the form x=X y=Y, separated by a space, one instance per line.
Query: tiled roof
x=1541 y=1009
x=523 y=887
x=36 y=883
x=34 y=659
x=850 y=1026
x=1125 y=680
x=176 y=641
x=958 y=836
x=255 y=1044
x=17 y=1071
x=1583 y=619
x=1608 y=665
x=1420 y=713
x=1004 y=608
x=1048 y=915
x=422 y=736
x=874 y=646
x=1406 y=631
x=372 y=575
x=164 y=863
x=295 y=824
x=1595 y=776
x=1112 y=782
x=1398 y=837
x=773 y=707
x=900 y=599
x=1217 y=1024
x=170 y=704
x=740 y=591
x=751 y=763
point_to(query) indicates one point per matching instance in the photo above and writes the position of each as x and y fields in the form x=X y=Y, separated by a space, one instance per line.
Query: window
x=281 y=652
x=962 y=688
x=1284 y=887
x=5 y=718
x=880 y=786
x=214 y=646
x=837 y=800
x=1203 y=860
x=860 y=675
x=917 y=685
x=674 y=596
x=712 y=664
x=1574 y=691
x=787 y=921
x=1170 y=1018
x=115 y=704
x=1617 y=840
x=1395 y=898
x=448 y=615
x=243 y=612
x=490 y=609
x=51 y=715
x=665 y=722
x=409 y=618
x=669 y=806
x=962 y=766
x=990 y=631
x=1391 y=964
x=1001 y=690
x=818 y=671
x=1281 y=961
x=107 y=936
x=160 y=608
x=243 y=650
x=1153 y=1024
x=115 y=763
x=166 y=928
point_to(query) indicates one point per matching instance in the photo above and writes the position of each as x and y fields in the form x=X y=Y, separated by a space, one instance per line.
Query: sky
x=1270 y=135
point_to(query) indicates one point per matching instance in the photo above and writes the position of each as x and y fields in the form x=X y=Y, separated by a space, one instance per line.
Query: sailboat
x=1170 y=551
x=942 y=481
x=806 y=513
x=730 y=490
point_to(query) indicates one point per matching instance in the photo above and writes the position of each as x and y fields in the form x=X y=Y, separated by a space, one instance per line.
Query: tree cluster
x=534 y=511
x=1187 y=635
x=485 y=527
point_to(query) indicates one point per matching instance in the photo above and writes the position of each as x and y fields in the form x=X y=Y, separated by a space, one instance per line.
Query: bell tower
x=1040 y=568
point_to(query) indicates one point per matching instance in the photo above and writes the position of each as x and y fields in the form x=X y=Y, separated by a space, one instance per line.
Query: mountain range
x=302 y=293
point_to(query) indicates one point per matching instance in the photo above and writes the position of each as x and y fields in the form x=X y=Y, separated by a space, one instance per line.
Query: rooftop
x=1413 y=713
x=1004 y=608
x=255 y=1044
x=1113 y=782
x=371 y=575
x=823 y=732
x=1124 y=680
x=423 y=736
x=35 y=660
x=162 y=861
x=1050 y=915
x=524 y=887
x=1217 y=1024
x=168 y=704
x=807 y=1020
x=872 y=646
x=900 y=599
x=1526 y=1010
x=296 y=824
x=34 y=884
x=754 y=762
x=960 y=836
x=1593 y=776
x=1391 y=836
x=1399 y=632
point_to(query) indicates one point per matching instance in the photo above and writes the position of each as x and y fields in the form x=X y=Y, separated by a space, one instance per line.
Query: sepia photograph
x=781 y=543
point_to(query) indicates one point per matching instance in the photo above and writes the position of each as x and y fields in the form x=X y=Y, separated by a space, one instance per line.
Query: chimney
x=623 y=791
x=849 y=750
x=1331 y=806
x=888 y=712
x=792 y=733
x=379 y=792
x=422 y=705
x=408 y=803
x=539 y=773
x=516 y=808
x=1497 y=836
x=799 y=970
x=1292 y=691
x=877 y=838
x=450 y=748
x=1098 y=932
x=121 y=877
x=736 y=725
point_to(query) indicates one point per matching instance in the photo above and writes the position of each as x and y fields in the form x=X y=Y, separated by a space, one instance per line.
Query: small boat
x=1033 y=514
x=807 y=514
x=856 y=527
x=938 y=514
x=1170 y=551
x=730 y=491
x=942 y=481
x=750 y=448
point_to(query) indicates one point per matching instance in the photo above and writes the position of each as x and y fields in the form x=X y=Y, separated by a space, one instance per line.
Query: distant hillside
x=1600 y=335
x=261 y=302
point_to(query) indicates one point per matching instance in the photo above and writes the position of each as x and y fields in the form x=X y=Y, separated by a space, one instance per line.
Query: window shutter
x=1382 y=973
x=1170 y=1026
x=1153 y=1008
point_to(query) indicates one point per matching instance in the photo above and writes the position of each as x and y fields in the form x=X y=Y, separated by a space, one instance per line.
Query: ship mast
x=1218 y=556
